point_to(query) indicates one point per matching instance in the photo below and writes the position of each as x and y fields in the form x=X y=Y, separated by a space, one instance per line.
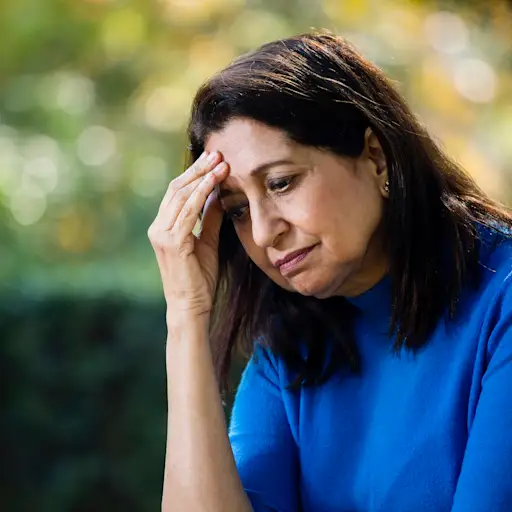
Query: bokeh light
x=94 y=102
x=96 y=98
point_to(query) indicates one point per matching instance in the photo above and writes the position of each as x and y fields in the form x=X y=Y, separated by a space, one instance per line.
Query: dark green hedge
x=83 y=404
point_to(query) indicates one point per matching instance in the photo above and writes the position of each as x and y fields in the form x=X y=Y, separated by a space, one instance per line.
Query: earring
x=386 y=187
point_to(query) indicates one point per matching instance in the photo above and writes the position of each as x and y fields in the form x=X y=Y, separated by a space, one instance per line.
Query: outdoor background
x=94 y=99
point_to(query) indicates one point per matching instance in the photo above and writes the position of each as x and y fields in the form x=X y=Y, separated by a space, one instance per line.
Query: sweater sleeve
x=264 y=449
x=485 y=481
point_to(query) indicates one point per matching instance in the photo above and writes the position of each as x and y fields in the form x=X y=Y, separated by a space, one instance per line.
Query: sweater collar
x=376 y=301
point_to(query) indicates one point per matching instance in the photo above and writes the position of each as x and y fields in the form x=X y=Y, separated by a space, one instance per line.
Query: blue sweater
x=412 y=433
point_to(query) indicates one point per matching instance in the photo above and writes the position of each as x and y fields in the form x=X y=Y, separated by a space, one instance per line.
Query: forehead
x=245 y=144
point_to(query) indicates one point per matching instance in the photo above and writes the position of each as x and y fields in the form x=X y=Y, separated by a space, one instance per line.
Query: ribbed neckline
x=376 y=301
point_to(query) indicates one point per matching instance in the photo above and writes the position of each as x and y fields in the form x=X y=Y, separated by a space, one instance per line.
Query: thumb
x=211 y=221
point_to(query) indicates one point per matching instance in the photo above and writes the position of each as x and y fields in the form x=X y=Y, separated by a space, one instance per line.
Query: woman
x=369 y=275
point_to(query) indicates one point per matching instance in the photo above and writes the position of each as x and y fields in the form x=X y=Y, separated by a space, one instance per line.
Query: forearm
x=200 y=471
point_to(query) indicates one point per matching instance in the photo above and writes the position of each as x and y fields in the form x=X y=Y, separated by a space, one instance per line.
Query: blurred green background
x=94 y=99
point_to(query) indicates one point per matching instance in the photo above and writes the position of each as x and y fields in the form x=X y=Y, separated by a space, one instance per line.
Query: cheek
x=350 y=229
x=305 y=212
x=256 y=253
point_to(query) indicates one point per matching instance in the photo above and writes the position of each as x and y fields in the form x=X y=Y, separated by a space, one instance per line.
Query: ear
x=374 y=153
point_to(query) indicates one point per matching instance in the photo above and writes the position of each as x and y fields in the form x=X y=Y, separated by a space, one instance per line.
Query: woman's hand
x=200 y=471
x=189 y=264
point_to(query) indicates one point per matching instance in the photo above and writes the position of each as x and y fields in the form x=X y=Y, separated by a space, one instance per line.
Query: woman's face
x=284 y=197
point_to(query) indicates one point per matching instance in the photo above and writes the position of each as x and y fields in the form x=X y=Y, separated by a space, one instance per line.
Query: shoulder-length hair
x=321 y=92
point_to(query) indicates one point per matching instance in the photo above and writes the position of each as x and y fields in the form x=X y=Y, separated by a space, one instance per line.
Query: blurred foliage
x=83 y=404
x=83 y=415
x=95 y=94
x=94 y=100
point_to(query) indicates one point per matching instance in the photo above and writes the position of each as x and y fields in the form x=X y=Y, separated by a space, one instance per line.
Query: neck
x=373 y=268
x=364 y=282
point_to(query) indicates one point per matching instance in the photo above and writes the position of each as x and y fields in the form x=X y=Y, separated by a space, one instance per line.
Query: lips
x=293 y=256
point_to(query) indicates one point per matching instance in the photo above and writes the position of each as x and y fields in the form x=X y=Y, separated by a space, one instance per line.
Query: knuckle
x=155 y=235
x=172 y=240
x=209 y=179
x=187 y=211
x=194 y=168
x=157 y=245
x=181 y=194
x=151 y=232
x=184 y=193
x=204 y=180
x=162 y=243
x=182 y=251
x=199 y=165
x=173 y=186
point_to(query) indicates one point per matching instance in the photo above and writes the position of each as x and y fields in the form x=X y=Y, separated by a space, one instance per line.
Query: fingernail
x=219 y=168
x=212 y=156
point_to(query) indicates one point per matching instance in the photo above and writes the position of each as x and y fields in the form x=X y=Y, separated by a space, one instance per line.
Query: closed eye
x=280 y=184
x=237 y=213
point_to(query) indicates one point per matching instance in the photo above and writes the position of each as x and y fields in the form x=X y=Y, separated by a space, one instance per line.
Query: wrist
x=186 y=326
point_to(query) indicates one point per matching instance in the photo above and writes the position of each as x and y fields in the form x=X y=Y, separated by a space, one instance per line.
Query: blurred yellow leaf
x=206 y=56
x=165 y=107
x=437 y=92
x=75 y=231
x=123 y=31
x=192 y=11
x=347 y=12
x=478 y=165
x=253 y=27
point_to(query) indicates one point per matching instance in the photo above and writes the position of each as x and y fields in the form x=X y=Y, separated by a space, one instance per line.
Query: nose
x=267 y=224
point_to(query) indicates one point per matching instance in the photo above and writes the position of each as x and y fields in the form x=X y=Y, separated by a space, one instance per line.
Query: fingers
x=184 y=199
x=168 y=217
x=211 y=221
x=182 y=187
x=205 y=163
x=189 y=213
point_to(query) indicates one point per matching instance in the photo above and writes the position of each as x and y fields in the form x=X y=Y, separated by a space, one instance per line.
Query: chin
x=320 y=289
x=308 y=283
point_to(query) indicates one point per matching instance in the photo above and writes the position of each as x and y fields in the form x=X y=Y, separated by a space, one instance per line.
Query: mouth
x=289 y=263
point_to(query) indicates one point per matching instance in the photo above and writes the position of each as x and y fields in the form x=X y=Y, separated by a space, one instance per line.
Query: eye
x=238 y=213
x=280 y=184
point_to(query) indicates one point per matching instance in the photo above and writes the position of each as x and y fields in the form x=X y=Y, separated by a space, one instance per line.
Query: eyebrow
x=225 y=192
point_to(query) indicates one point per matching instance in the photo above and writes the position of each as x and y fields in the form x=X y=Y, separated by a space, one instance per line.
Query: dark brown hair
x=321 y=92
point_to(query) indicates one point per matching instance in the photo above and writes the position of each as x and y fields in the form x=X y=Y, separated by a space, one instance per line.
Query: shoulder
x=495 y=244
x=264 y=365
x=267 y=364
x=494 y=294
x=495 y=261
x=264 y=358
